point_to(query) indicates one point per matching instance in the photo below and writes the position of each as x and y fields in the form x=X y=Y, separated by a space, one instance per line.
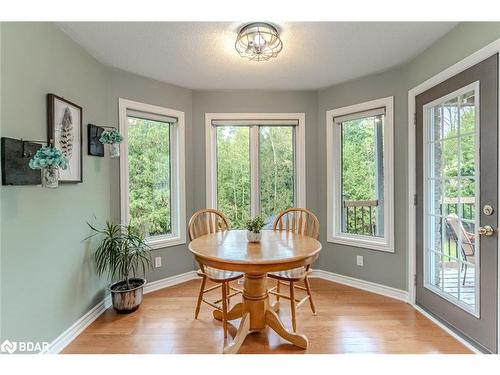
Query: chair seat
x=217 y=275
x=294 y=274
x=471 y=259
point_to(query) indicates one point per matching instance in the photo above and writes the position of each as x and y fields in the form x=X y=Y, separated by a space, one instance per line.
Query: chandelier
x=258 y=41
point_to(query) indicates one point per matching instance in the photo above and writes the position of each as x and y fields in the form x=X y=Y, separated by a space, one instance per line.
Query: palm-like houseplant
x=122 y=254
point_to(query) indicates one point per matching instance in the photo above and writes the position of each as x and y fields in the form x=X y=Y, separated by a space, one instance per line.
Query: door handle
x=486 y=230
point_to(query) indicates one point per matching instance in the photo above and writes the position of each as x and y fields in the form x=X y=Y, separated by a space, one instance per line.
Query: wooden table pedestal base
x=256 y=313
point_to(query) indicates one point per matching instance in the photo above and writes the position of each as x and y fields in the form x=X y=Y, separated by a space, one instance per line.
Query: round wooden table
x=277 y=251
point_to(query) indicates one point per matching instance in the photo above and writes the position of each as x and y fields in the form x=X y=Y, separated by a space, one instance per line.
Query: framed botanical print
x=65 y=131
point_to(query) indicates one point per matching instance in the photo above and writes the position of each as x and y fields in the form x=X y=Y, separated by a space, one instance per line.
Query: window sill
x=161 y=243
x=362 y=242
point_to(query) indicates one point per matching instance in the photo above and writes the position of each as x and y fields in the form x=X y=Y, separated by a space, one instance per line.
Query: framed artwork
x=96 y=148
x=64 y=125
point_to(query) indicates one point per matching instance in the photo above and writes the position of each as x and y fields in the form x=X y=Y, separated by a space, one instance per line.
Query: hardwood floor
x=348 y=321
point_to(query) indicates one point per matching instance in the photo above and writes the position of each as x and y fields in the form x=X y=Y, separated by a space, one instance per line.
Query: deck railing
x=360 y=217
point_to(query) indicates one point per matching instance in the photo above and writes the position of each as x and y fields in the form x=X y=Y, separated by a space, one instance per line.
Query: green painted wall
x=385 y=268
x=46 y=272
x=259 y=102
x=380 y=267
x=176 y=259
x=47 y=279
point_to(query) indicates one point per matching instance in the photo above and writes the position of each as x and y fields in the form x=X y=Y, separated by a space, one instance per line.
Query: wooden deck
x=453 y=283
x=349 y=321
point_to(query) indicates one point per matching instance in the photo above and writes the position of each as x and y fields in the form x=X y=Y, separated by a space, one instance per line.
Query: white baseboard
x=447 y=330
x=369 y=286
x=401 y=295
x=72 y=332
x=169 y=281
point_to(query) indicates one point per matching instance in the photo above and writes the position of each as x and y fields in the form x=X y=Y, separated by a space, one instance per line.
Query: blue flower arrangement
x=111 y=137
x=48 y=157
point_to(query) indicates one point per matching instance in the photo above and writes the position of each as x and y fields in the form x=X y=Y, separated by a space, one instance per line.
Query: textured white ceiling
x=201 y=55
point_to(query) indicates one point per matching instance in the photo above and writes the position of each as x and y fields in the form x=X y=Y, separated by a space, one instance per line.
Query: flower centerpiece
x=254 y=226
x=113 y=139
x=49 y=159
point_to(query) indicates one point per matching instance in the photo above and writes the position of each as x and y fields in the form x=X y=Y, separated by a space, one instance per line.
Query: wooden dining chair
x=303 y=221
x=203 y=222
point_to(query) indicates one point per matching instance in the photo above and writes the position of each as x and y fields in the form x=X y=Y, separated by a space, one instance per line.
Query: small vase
x=50 y=177
x=253 y=237
x=114 y=150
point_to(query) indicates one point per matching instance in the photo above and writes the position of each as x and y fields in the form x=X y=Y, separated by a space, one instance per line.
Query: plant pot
x=50 y=177
x=127 y=300
x=114 y=150
x=253 y=237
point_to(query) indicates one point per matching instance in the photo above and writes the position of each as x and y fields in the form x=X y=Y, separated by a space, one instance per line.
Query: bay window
x=255 y=165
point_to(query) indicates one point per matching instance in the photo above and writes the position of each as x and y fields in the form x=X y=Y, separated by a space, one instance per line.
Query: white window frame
x=211 y=156
x=426 y=161
x=177 y=160
x=334 y=178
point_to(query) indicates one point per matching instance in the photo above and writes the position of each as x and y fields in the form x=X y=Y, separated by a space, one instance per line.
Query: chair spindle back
x=298 y=220
x=205 y=221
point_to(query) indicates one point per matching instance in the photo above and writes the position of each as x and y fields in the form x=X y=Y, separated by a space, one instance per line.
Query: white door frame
x=453 y=70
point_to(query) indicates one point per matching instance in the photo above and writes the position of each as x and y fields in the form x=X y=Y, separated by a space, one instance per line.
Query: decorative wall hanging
x=65 y=128
x=50 y=160
x=111 y=137
x=96 y=148
x=16 y=154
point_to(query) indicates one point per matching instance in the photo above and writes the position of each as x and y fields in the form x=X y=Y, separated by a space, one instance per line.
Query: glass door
x=451 y=170
x=457 y=202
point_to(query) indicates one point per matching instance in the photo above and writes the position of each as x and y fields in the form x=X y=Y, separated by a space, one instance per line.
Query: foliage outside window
x=273 y=148
x=152 y=186
x=277 y=170
x=360 y=175
x=233 y=173
x=149 y=176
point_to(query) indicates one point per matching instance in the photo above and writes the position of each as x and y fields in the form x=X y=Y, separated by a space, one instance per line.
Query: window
x=360 y=175
x=255 y=165
x=152 y=172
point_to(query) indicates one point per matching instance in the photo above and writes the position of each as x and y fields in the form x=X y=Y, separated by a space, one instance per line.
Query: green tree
x=276 y=163
x=233 y=174
x=149 y=175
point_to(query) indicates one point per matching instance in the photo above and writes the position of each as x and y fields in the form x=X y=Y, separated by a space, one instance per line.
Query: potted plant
x=113 y=139
x=254 y=227
x=121 y=253
x=49 y=160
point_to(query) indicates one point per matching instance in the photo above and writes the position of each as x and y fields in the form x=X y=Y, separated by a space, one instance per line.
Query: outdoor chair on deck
x=465 y=241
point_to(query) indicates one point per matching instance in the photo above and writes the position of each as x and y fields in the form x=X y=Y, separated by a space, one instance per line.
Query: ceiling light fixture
x=258 y=41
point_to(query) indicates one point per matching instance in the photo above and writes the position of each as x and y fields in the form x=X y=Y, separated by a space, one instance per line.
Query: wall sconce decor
x=50 y=160
x=16 y=154
x=96 y=148
x=104 y=135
